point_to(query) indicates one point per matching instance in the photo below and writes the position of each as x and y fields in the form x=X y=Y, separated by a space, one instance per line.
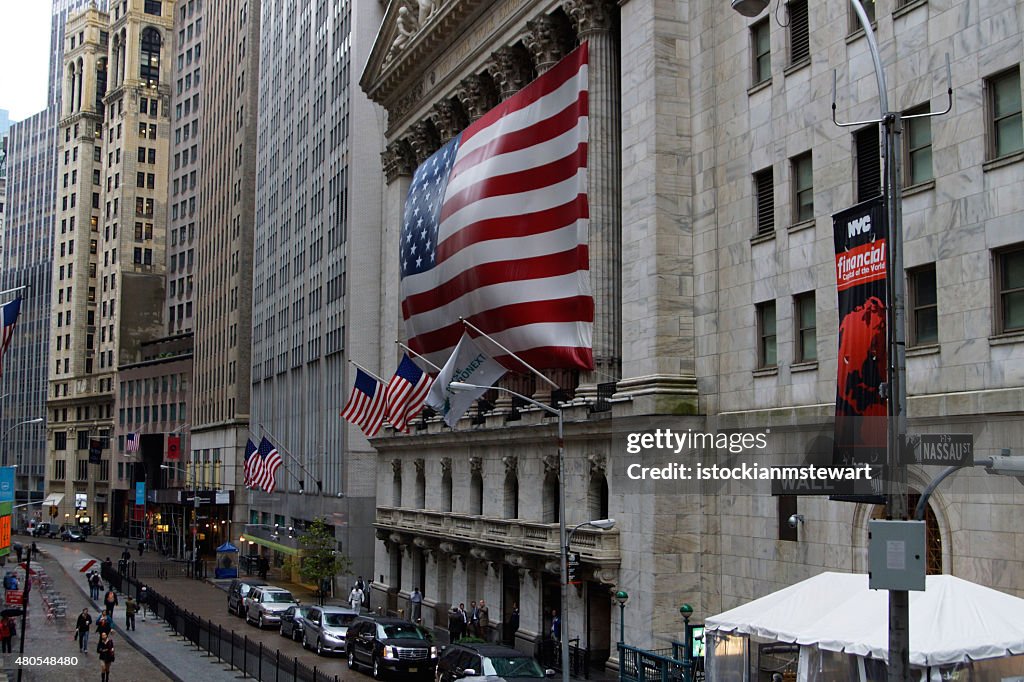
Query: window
x=1009 y=266
x=869 y=9
x=59 y=469
x=149 y=67
x=60 y=440
x=806 y=346
x=917 y=138
x=766 y=347
x=803 y=188
x=83 y=470
x=764 y=189
x=799 y=34
x=869 y=163
x=761 y=49
x=1006 y=135
x=924 y=312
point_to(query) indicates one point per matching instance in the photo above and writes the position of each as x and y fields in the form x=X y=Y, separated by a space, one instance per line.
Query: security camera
x=795 y=520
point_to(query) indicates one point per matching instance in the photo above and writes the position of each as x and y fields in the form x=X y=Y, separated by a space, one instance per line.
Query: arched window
x=149 y=64
x=446 y=490
x=71 y=84
x=511 y=495
x=597 y=497
x=549 y=504
x=476 y=493
x=101 y=85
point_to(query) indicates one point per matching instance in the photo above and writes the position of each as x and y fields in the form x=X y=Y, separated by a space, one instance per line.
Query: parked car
x=390 y=644
x=264 y=605
x=293 y=622
x=237 y=593
x=325 y=628
x=72 y=535
x=43 y=530
x=493 y=660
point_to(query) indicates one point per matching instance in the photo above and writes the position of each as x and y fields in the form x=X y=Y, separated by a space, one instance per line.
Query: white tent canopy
x=952 y=621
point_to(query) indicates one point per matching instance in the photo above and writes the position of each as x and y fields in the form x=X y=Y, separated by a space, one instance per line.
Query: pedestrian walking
x=104 y=624
x=556 y=626
x=355 y=599
x=142 y=548
x=144 y=601
x=461 y=621
x=109 y=602
x=264 y=567
x=95 y=585
x=82 y=626
x=126 y=556
x=415 y=604
x=130 y=608
x=105 y=648
x=7 y=630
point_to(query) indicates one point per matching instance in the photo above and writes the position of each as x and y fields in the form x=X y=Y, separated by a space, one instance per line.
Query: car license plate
x=413 y=669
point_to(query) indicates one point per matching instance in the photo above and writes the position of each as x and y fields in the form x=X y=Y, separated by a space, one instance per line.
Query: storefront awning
x=53 y=499
x=270 y=544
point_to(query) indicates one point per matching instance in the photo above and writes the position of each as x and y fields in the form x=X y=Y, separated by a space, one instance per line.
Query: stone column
x=449 y=119
x=398 y=163
x=511 y=69
x=592 y=20
x=477 y=95
x=423 y=141
x=547 y=41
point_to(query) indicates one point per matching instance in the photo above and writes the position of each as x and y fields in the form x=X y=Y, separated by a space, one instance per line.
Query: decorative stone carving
x=407 y=101
x=406 y=25
x=515 y=559
x=423 y=140
x=397 y=539
x=477 y=95
x=420 y=464
x=606 y=576
x=396 y=160
x=512 y=69
x=547 y=41
x=553 y=566
x=598 y=464
x=448 y=547
x=511 y=463
x=423 y=543
x=448 y=118
x=427 y=8
x=481 y=553
x=550 y=464
x=476 y=465
x=396 y=465
x=589 y=16
x=446 y=465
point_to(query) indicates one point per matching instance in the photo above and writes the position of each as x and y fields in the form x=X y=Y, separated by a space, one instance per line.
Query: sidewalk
x=174 y=657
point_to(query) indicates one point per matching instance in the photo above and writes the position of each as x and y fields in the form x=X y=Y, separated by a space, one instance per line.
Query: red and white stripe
x=512 y=253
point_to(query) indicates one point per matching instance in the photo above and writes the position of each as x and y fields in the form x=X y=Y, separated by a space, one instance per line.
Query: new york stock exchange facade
x=472 y=513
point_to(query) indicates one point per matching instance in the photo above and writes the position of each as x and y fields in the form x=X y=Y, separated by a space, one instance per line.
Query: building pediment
x=424 y=46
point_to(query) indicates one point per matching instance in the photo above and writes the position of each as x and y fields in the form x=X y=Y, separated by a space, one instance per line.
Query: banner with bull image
x=861 y=240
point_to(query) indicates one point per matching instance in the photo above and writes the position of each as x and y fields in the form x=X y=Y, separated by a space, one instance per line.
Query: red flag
x=173 y=448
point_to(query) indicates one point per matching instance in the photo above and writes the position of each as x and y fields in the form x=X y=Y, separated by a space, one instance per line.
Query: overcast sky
x=24 y=56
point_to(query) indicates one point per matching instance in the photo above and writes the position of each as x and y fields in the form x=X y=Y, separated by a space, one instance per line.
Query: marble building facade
x=714 y=169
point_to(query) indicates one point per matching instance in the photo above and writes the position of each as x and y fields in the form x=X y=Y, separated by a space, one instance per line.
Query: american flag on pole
x=270 y=461
x=11 y=310
x=131 y=442
x=366 y=405
x=496 y=229
x=406 y=393
x=251 y=461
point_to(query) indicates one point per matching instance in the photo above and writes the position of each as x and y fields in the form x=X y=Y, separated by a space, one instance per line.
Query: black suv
x=492 y=660
x=237 y=593
x=390 y=644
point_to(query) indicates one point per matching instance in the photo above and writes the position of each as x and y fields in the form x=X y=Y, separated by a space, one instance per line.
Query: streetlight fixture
x=35 y=420
x=195 y=516
x=686 y=611
x=562 y=535
x=622 y=597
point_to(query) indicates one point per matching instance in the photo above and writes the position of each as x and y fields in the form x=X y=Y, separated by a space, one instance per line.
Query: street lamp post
x=35 y=420
x=686 y=611
x=621 y=597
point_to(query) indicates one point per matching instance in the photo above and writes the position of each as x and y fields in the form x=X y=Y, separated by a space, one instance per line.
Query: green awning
x=277 y=546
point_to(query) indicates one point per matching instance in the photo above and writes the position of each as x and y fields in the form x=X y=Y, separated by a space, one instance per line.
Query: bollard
x=277 y=665
x=245 y=657
x=259 y=666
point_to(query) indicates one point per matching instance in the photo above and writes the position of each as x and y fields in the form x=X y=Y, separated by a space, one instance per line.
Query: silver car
x=325 y=627
x=264 y=605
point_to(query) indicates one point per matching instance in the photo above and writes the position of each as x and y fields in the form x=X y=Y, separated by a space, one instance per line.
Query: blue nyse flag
x=140 y=493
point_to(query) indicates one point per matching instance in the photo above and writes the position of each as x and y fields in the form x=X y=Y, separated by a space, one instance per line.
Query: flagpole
x=368 y=372
x=521 y=361
x=8 y=291
x=410 y=350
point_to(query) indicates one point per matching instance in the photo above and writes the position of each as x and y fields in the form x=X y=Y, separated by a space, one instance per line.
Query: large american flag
x=270 y=461
x=496 y=229
x=406 y=393
x=10 y=317
x=366 y=405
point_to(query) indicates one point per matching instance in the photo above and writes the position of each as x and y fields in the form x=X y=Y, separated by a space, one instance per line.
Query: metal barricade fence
x=252 y=658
